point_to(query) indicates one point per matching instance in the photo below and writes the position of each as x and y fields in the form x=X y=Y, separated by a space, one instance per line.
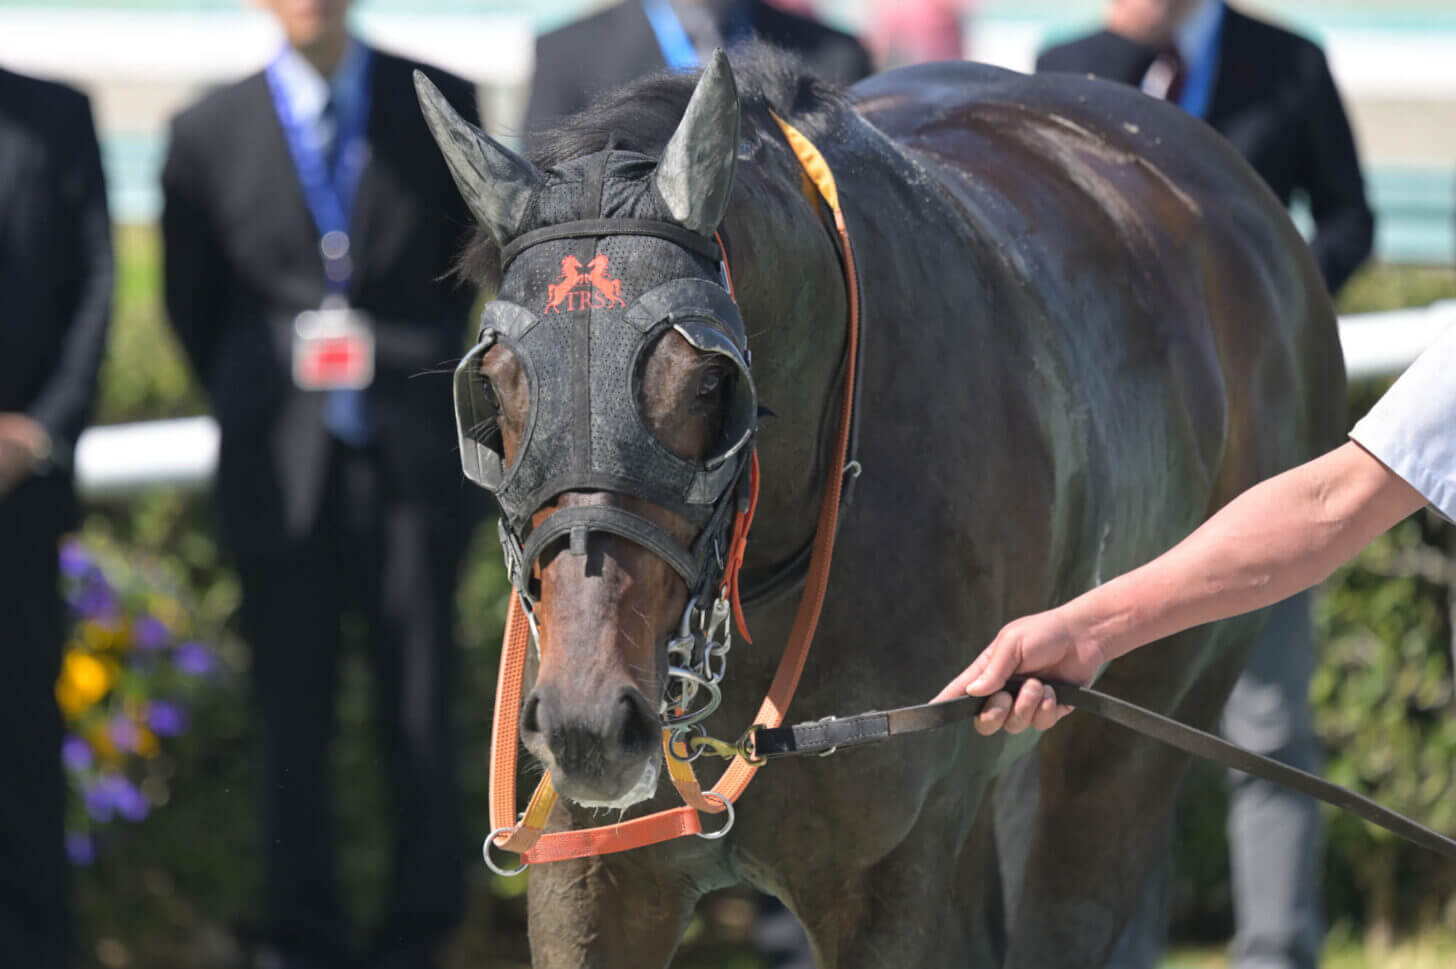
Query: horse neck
x=791 y=290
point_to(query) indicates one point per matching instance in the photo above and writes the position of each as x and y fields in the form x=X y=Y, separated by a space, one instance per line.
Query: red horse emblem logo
x=590 y=290
x=604 y=286
x=557 y=292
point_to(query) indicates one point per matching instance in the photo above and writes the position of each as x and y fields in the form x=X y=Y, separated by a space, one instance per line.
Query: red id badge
x=333 y=349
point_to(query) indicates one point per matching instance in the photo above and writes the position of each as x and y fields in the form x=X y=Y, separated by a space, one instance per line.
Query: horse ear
x=494 y=181
x=695 y=174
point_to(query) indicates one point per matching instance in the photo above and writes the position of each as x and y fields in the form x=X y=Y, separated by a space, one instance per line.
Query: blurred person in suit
x=308 y=222
x=1269 y=92
x=633 y=38
x=56 y=280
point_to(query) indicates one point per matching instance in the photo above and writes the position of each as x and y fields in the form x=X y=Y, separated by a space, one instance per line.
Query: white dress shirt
x=309 y=92
x=1197 y=40
x=1412 y=429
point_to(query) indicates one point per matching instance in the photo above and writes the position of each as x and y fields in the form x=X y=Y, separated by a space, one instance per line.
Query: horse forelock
x=635 y=121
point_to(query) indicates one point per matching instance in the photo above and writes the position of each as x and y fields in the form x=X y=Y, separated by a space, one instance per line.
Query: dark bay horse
x=1087 y=325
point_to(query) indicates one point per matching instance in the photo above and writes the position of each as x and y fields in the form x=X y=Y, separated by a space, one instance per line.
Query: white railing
x=122 y=459
x=1384 y=344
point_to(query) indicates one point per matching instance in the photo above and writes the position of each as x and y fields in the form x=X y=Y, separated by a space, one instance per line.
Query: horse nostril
x=530 y=722
x=633 y=724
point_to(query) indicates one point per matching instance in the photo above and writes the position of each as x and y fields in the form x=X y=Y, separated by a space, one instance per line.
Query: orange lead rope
x=527 y=836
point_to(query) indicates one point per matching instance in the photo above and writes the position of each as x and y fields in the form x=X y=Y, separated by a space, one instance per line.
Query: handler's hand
x=23 y=443
x=1043 y=643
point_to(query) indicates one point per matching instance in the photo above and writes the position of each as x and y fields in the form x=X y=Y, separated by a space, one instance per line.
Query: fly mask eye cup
x=617 y=451
x=477 y=415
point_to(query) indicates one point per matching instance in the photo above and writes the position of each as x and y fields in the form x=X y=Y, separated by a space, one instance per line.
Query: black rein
x=824 y=736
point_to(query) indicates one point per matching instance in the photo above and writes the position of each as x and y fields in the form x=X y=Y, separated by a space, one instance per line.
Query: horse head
x=615 y=432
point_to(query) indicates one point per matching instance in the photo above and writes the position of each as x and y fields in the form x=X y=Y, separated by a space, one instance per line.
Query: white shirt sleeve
x=1412 y=429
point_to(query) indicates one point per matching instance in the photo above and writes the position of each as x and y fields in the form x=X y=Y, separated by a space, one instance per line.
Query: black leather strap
x=824 y=735
x=618 y=521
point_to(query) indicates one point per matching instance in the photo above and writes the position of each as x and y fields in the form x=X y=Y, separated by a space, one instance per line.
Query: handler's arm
x=1278 y=538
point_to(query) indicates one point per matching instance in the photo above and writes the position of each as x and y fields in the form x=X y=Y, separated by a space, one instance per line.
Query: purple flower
x=123 y=732
x=97 y=800
x=148 y=632
x=80 y=848
x=166 y=718
x=75 y=562
x=96 y=601
x=130 y=803
x=114 y=795
x=196 y=659
x=76 y=753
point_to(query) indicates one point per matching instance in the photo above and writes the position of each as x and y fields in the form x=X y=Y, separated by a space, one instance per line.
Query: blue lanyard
x=1198 y=86
x=677 y=47
x=329 y=193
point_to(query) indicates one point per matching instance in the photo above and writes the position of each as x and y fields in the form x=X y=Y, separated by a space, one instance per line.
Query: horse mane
x=641 y=116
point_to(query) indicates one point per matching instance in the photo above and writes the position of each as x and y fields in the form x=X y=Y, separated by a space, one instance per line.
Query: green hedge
x=177 y=889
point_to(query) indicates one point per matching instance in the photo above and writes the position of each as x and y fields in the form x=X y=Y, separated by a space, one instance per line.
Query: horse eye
x=710 y=381
x=488 y=389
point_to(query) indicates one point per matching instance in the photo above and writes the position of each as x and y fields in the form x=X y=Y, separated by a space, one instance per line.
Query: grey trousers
x=1275 y=836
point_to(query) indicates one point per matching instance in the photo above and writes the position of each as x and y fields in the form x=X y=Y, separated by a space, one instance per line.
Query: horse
x=1086 y=325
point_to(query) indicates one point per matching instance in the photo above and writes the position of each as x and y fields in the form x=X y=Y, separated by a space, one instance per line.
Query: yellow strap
x=527 y=832
x=541 y=804
x=685 y=779
x=814 y=164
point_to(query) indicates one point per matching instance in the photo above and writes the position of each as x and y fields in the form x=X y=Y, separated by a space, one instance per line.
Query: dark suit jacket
x=1275 y=100
x=577 y=62
x=55 y=280
x=241 y=258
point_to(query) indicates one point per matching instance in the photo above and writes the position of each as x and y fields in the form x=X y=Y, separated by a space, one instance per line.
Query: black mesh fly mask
x=583 y=301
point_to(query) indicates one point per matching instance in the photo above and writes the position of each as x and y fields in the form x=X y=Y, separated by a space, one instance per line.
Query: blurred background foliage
x=176 y=889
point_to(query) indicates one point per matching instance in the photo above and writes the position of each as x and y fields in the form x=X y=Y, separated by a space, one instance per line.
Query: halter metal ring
x=720 y=653
x=490 y=862
x=715 y=696
x=680 y=735
x=685 y=624
x=727 y=826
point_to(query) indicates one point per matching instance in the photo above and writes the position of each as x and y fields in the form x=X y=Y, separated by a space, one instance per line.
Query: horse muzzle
x=601 y=752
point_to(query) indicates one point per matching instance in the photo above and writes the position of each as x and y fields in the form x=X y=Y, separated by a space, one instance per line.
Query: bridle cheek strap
x=527 y=836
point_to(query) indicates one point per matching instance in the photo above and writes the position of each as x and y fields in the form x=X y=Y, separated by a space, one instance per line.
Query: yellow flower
x=146 y=742
x=66 y=698
x=136 y=709
x=84 y=680
x=100 y=741
x=102 y=636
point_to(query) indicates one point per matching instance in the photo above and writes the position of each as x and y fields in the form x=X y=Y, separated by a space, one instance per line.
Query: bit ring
x=490 y=862
x=727 y=826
